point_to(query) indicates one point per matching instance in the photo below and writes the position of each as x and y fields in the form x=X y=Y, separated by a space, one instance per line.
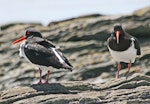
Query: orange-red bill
x=117 y=36
x=19 y=40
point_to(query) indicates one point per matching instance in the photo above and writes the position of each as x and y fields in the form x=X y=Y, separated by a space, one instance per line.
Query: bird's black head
x=28 y=34
x=32 y=33
x=118 y=32
x=117 y=27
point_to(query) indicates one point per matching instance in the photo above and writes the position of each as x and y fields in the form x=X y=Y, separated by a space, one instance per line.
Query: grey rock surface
x=135 y=90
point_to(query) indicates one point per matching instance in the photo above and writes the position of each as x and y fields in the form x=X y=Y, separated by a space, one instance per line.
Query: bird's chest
x=21 y=50
x=121 y=46
x=127 y=55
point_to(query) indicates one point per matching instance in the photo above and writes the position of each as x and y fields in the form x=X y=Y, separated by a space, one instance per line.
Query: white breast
x=124 y=56
x=21 y=50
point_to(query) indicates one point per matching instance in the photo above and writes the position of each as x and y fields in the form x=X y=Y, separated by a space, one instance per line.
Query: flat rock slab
x=135 y=90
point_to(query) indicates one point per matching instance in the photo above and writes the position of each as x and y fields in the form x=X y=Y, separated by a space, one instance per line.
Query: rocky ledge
x=135 y=90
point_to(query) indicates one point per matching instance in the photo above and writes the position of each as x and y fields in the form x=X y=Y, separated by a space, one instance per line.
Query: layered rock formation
x=135 y=90
x=83 y=40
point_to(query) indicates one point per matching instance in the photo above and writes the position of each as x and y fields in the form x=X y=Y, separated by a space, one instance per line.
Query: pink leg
x=129 y=66
x=118 y=67
x=40 y=81
x=48 y=73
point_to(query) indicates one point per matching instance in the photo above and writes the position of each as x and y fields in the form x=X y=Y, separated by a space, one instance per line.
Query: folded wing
x=45 y=53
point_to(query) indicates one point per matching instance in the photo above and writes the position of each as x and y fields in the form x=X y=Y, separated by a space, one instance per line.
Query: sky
x=46 y=11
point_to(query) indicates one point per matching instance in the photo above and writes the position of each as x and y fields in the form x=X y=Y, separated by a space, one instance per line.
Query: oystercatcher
x=123 y=47
x=42 y=53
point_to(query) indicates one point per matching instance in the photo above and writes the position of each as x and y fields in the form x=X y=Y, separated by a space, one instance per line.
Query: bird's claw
x=39 y=83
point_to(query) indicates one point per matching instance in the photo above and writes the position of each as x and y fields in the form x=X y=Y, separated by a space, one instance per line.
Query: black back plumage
x=40 y=51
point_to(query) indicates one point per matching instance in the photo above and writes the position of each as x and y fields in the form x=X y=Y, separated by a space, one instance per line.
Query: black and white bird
x=42 y=53
x=123 y=47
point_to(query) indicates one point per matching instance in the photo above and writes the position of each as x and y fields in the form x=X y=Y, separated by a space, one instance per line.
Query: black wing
x=39 y=55
x=40 y=51
x=137 y=46
x=48 y=44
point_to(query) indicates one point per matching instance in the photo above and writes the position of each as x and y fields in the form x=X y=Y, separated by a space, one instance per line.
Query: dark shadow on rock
x=147 y=56
x=147 y=73
x=52 y=88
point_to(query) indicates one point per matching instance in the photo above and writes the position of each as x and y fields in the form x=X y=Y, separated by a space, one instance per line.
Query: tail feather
x=66 y=66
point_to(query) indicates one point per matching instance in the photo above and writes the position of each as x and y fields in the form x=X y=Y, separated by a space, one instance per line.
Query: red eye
x=28 y=32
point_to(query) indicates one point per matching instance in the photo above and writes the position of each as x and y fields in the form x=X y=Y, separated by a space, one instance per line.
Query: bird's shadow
x=52 y=88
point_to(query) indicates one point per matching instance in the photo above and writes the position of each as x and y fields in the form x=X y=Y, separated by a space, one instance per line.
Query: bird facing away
x=42 y=53
x=123 y=48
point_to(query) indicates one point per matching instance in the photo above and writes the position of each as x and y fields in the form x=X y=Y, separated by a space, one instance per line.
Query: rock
x=142 y=12
x=6 y=26
x=83 y=40
x=135 y=90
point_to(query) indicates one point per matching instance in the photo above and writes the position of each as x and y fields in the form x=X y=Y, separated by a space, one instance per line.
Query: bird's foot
x=117 y=76
x=46 y=82
x=40 y=82
x=127 y=75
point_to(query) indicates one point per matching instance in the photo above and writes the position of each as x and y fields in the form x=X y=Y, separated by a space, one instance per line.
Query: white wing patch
x=58 y=56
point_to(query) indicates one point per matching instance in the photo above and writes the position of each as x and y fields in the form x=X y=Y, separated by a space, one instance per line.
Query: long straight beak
x=117 y=36
x=19 y=40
